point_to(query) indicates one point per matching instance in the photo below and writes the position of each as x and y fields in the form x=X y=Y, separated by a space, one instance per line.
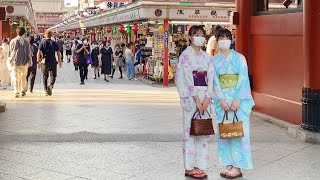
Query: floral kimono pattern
x=237 y=151
x=195 y=148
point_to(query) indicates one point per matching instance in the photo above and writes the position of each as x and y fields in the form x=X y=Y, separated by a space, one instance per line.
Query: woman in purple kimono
x=195 y=94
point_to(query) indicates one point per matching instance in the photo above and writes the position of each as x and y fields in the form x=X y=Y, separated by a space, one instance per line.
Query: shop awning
x=204 y=12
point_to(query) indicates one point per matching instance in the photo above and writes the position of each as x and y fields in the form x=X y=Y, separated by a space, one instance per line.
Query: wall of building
x=277 y=66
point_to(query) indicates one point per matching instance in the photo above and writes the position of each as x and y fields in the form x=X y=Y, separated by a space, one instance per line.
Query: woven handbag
x=201 y=127
x=230 y=130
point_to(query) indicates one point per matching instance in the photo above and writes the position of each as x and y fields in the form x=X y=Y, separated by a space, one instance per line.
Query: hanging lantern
x=91 y=31
x=161 y=29
x=109 y=29
x=104 y=32
x=121 y=29
x=99 y=31
x=135 y=28
x=128 y=29
x=114 y=29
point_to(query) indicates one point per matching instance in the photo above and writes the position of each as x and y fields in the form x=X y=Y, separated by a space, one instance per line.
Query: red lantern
x=109 y=29
x=135 y=28
x=121 y=29
x=91 y=31
x=99 y=31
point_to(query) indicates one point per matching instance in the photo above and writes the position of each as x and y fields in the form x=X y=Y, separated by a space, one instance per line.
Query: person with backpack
x=47 y=52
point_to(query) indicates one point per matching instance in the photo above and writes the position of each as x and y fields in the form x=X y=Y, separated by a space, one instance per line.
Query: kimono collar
x=229 y=57
x=191 y=50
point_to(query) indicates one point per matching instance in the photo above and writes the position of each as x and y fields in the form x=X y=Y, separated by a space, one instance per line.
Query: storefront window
x=265 y=7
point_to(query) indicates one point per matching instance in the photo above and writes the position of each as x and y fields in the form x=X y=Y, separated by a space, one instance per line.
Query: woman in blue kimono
x=232 y=94
x=195 y=91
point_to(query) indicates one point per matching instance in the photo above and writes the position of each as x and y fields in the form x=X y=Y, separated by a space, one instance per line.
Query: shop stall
x=156 y=27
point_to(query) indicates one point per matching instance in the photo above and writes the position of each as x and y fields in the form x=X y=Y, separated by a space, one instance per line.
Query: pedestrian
x=48 y=50
x=232 y=96
x=130 y=61
x=20 y=58
x=195 y=94
x=60 y=42
x=83 y=50
x=106 y=56
x=32 y=70
x=68 y=49
x=4 y=70
x=182 y=45
x=212 y=45
x=118 y=56
x=95 y=59
x=138 y=61
x=74 y=54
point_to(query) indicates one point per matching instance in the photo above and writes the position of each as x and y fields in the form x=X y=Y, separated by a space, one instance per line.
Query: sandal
x=196 y=174
x=233 y=174
x=225 y=171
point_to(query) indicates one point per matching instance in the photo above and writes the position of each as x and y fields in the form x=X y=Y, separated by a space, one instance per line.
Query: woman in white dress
x=4 y=71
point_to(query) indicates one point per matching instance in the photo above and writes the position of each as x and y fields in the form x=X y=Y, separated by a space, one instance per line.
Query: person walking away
x=32 y=70
x=82 y=52
x=20 y=58
x=195 y=94
x=4 y=70
x=60 y=45
x=130 y=62
x=118 y=55
x=232 y=96
x=95 y=59
x=68 y=50
x=46 y=55
x=106 y=55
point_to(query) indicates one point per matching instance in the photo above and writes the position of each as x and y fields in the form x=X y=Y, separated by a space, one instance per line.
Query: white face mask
x=80 y=42
x=198 y=41
x=52 y=38
x=85 y=42
x=224 y=44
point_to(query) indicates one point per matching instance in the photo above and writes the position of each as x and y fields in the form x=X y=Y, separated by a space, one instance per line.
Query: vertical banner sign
x=166 y=39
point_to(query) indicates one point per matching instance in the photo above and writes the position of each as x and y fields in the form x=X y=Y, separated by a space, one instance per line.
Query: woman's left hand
x=235 y=105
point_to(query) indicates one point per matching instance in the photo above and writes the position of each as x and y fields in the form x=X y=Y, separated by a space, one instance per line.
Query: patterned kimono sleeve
x=184 y=78
x=210 y=75
x=217 y=91
x=243 y=90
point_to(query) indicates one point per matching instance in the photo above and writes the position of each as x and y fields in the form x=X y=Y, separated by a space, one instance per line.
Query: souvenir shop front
x=155 y=27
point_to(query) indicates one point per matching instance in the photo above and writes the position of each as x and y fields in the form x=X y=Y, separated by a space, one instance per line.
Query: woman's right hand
x=224 y=105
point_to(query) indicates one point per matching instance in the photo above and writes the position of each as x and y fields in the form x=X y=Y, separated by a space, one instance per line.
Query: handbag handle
x=235 y=116
x=225 y=116
x=200 y=113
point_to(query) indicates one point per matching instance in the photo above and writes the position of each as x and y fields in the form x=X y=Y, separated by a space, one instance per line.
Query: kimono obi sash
x=228 y=80
x=200 y=78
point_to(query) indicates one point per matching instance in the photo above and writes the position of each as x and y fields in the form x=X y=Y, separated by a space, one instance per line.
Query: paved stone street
x=123 y=130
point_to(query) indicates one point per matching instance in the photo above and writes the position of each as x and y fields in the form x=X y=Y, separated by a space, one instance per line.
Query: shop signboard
x=128 y=16
x=199 y=14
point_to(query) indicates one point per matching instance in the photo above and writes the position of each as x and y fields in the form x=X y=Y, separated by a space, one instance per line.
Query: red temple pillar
x=311 y=89
x=1 y=32
x=166 y=53
x=245 y=10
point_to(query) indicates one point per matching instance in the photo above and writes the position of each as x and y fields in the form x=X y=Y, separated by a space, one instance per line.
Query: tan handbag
x=230 y=130
x=201 y=127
